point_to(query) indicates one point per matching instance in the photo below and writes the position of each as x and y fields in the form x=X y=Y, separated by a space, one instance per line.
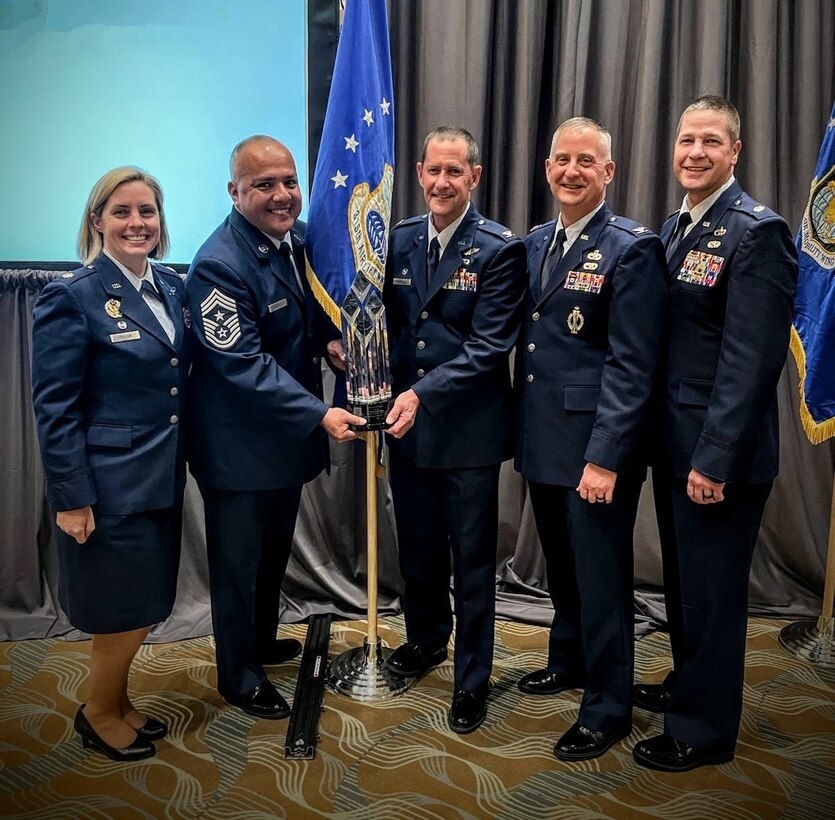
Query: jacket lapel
x=131 y=303
x=537 y=258
x=587 y=240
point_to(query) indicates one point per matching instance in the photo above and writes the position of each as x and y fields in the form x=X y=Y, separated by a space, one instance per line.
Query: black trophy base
x=373 y=412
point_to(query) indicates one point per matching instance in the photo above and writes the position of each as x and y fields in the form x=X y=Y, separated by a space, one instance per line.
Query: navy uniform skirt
x=125 y=575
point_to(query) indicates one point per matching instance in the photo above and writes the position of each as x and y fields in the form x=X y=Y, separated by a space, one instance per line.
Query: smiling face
x=265 y=187
x=578 y=171
x=129 y=224
x=705 y=154
x=447 y=179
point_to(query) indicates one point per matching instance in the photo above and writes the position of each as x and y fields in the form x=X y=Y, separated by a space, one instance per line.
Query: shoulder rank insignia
x=112 y=307
x=67 y=275
x=640 y=229
x=759 y=208
x=220 y=320
x=507 y=233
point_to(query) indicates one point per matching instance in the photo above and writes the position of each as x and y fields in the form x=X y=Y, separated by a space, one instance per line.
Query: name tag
x=701 y=268
x=281 y=303
x=463 y=279
x=130 y=336
x=397 y=280
x=584 y=282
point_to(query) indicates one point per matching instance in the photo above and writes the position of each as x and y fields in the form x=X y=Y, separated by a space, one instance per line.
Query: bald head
x=257 y=143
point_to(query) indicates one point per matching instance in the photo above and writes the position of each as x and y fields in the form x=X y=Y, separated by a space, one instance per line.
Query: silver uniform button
x=174 y=419
x=529 y=377
x=424 y=314
x=174 y=361
x=173 y=391
x=421 y=344
x=421 y=372
x=531 y=347
x=535 y=317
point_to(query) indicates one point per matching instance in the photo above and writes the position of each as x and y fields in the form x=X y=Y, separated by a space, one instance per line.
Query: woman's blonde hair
x=89 y=239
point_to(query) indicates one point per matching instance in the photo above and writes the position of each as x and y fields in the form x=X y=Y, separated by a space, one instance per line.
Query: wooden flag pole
x=371 y=537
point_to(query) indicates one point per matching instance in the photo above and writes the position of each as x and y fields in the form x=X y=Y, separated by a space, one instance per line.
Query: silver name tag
x=281 y=303
x=130 y=336
x=400 y=281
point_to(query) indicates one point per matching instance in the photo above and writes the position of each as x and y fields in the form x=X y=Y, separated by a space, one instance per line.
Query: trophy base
x=811 y=641
x=357 y=675
x=374 y=412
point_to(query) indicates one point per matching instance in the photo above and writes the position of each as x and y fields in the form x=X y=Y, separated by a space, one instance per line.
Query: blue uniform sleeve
x=636 y=336
x=60 y=339
x=235 y=352
x=755 y=343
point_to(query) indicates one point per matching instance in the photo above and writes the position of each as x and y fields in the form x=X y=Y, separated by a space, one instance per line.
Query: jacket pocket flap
x=695 y=391
x=107 y=435
x=583 y=399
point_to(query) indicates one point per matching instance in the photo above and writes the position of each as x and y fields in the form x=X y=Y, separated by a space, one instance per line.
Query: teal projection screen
x=169 y=85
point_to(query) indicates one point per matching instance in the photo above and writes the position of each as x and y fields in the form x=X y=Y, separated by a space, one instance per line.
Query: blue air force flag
x=350 y=202
x=813 y=331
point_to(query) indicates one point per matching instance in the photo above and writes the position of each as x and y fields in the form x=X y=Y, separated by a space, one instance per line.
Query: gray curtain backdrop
x=510 y=71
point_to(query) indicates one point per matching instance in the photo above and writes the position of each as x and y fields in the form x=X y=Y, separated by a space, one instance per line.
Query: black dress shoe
x=411 y=660
x=666 y=754
x=263 y=701
x=138 y=750
x=467 y=712
x=153 y=729
x=283 y=649
x=651 y=697
x=580 y=743
x=545 y=682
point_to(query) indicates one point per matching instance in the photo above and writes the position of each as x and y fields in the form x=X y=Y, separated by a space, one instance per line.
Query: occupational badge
x=714 y=243
x=220 y=320
x=590 y=265
x=595 y=256
x=575 y=320
x=471 y=251
x=122 y=325
x=720 y=231
x=113 y=308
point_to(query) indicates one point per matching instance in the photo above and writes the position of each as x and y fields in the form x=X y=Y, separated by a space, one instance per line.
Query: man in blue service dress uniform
x=453 y=293
x=732 y=277
x=258 y=421
x=592 y=335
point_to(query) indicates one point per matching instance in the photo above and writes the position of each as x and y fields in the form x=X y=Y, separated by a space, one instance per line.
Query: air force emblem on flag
x=220 y=320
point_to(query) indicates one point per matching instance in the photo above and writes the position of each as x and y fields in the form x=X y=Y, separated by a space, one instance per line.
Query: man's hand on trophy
x=336 y=354
x=337 y=423
x=402 y=415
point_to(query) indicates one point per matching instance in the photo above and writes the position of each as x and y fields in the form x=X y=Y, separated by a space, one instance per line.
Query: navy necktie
x=286 y=254
x=552 y=260
x=432 y=259
x=684 y=220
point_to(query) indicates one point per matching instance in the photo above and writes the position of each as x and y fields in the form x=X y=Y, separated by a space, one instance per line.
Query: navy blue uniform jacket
x=584 y=394
x=732 y=284
x=256 y=384
x=108 y=391
x=451 y=341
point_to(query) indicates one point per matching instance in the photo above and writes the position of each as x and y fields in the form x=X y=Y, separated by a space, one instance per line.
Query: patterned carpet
x=398 y=759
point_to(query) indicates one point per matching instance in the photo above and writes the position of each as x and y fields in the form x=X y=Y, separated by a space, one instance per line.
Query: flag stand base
x=360 y=674
x=812 y=641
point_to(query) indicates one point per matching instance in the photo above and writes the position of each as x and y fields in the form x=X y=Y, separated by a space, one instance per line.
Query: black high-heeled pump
x=138 y=750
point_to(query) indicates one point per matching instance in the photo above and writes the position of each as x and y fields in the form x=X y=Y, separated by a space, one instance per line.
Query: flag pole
x=371 y=529
x=814 y=641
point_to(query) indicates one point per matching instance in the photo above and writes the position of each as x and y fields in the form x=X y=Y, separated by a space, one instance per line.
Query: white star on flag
x=368 y=117
x=384 y=106
x=339 y=180
x=351 y=142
